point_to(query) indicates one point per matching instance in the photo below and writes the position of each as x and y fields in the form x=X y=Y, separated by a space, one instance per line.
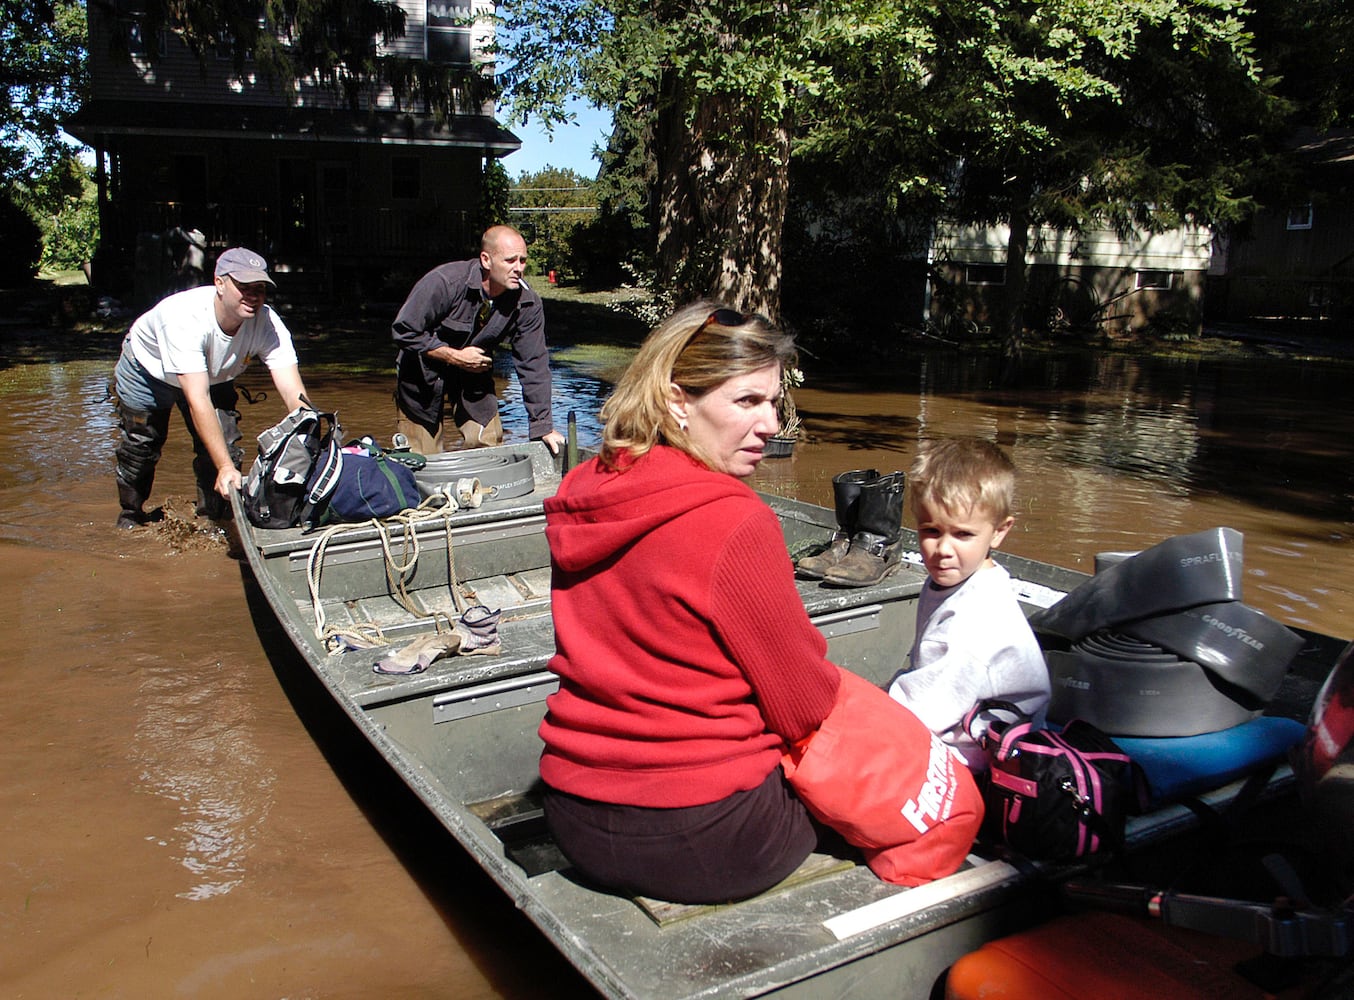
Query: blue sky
x=570 y=148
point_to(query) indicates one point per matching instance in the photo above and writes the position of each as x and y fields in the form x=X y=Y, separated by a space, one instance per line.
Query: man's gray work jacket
x=441 y=309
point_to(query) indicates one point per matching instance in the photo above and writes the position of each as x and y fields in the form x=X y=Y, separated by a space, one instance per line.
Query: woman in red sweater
x=686 y=660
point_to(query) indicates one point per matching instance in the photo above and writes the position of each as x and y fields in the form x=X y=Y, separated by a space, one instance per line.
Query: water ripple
x=195 y=747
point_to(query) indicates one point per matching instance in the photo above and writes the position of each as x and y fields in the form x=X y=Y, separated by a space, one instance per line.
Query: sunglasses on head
x=724 y=317
x=720 y=317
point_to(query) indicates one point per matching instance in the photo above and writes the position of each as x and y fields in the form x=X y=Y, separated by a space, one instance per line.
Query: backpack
x=296 y=469
x=370 y=484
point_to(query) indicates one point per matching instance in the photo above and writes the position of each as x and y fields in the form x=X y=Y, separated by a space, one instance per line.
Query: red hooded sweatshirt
x=685 y=656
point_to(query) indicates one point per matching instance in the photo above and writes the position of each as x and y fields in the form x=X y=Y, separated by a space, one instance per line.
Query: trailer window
x=985 y=274
x=1155 y=279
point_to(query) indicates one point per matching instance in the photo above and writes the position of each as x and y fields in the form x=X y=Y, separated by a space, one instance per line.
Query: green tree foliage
x=1139 y=114
x=42 y=65
x=992 y=110
x=63 y=202
x=495 y=194
x=616 y=246
x=1305 y=47
x=549 y=206
x=1152 y=119
x=707 y=91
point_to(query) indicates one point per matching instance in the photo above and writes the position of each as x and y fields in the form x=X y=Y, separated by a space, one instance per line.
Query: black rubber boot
x=845 y=496
x=876 y=546
x=133 y=502
x=138 y=452
x=210 y=504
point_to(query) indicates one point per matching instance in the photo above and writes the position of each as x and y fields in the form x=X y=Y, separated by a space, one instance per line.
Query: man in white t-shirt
x=186 y=352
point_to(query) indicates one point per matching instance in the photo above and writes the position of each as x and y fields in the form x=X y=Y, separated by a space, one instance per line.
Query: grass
x=573 y=315
x=63 y=278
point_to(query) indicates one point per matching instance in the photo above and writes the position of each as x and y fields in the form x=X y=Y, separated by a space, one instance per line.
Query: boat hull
x=463 y=737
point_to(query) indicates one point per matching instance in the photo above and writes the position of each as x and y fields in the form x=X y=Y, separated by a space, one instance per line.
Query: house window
x=985 y=274
x=406 y=177
x=1161 y=280
x=128 y=15
x=225 y=49
x=136 y=40
x=1300 y=216
x=448 y=31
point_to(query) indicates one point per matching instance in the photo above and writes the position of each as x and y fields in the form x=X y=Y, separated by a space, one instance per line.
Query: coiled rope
x=364 y=635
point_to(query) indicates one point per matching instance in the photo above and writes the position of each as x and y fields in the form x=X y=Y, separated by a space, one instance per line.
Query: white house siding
x=1183 y=249
x=1093 y=275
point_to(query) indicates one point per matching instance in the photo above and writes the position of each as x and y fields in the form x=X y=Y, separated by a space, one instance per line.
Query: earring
x=682 y=425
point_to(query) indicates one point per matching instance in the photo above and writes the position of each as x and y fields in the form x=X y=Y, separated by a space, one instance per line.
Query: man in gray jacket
x=446 y=332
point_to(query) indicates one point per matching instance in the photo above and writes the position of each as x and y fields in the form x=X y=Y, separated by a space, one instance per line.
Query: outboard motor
x=1324 y=764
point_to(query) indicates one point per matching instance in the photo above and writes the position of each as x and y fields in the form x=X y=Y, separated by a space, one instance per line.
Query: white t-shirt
x=973 y=642
x=181 y=335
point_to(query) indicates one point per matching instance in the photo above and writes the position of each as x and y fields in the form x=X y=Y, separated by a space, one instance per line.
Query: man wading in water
x=186 y=352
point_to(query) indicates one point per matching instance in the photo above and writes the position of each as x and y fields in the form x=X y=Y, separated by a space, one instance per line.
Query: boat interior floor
x=519 y=822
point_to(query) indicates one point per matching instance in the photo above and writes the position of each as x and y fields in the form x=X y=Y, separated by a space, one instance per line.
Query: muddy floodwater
x=182 y=815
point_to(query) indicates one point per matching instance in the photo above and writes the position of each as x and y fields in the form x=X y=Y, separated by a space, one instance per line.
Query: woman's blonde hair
x=697 y=348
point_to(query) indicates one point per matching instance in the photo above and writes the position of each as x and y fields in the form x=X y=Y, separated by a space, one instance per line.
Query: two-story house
x=1293 y=263
x=347 y=202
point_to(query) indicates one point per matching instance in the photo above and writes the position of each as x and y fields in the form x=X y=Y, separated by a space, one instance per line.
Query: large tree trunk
x=723 y=183
x=1017 y=250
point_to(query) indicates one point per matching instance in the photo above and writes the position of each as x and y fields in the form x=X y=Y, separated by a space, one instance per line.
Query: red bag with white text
x=875 y=774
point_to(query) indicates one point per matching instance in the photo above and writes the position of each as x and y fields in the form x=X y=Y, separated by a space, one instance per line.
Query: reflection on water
x=1269 y=430
x=57 y=418
x=196 y=748
x=580 y=385
x=1118 y=453
x=1115 y=452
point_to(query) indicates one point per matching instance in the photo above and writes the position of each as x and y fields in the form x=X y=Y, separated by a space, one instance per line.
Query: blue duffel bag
x=370 y=485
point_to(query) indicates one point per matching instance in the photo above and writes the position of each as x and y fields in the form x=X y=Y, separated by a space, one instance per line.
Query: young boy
x=972 y=638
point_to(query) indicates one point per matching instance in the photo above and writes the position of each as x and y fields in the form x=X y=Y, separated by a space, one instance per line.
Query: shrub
x=20 y=245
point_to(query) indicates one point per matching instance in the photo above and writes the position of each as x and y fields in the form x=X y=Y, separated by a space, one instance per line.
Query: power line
x=571 y=208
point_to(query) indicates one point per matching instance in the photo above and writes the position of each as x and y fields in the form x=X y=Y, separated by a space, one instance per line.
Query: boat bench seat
x=519 y=822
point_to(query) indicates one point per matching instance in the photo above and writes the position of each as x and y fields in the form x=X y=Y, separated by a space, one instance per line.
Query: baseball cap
x=245 y=266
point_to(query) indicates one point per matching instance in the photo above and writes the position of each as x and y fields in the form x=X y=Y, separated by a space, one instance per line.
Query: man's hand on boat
x=553 y=440
x=228 y=479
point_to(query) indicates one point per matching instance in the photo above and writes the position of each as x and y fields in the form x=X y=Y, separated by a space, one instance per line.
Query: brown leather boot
x=876 y=547
x=845 y=495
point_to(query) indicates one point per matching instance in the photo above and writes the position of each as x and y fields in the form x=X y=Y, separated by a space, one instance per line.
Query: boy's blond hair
x=962 y=474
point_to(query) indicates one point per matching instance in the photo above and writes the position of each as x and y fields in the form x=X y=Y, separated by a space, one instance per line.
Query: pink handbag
x=875 y=774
